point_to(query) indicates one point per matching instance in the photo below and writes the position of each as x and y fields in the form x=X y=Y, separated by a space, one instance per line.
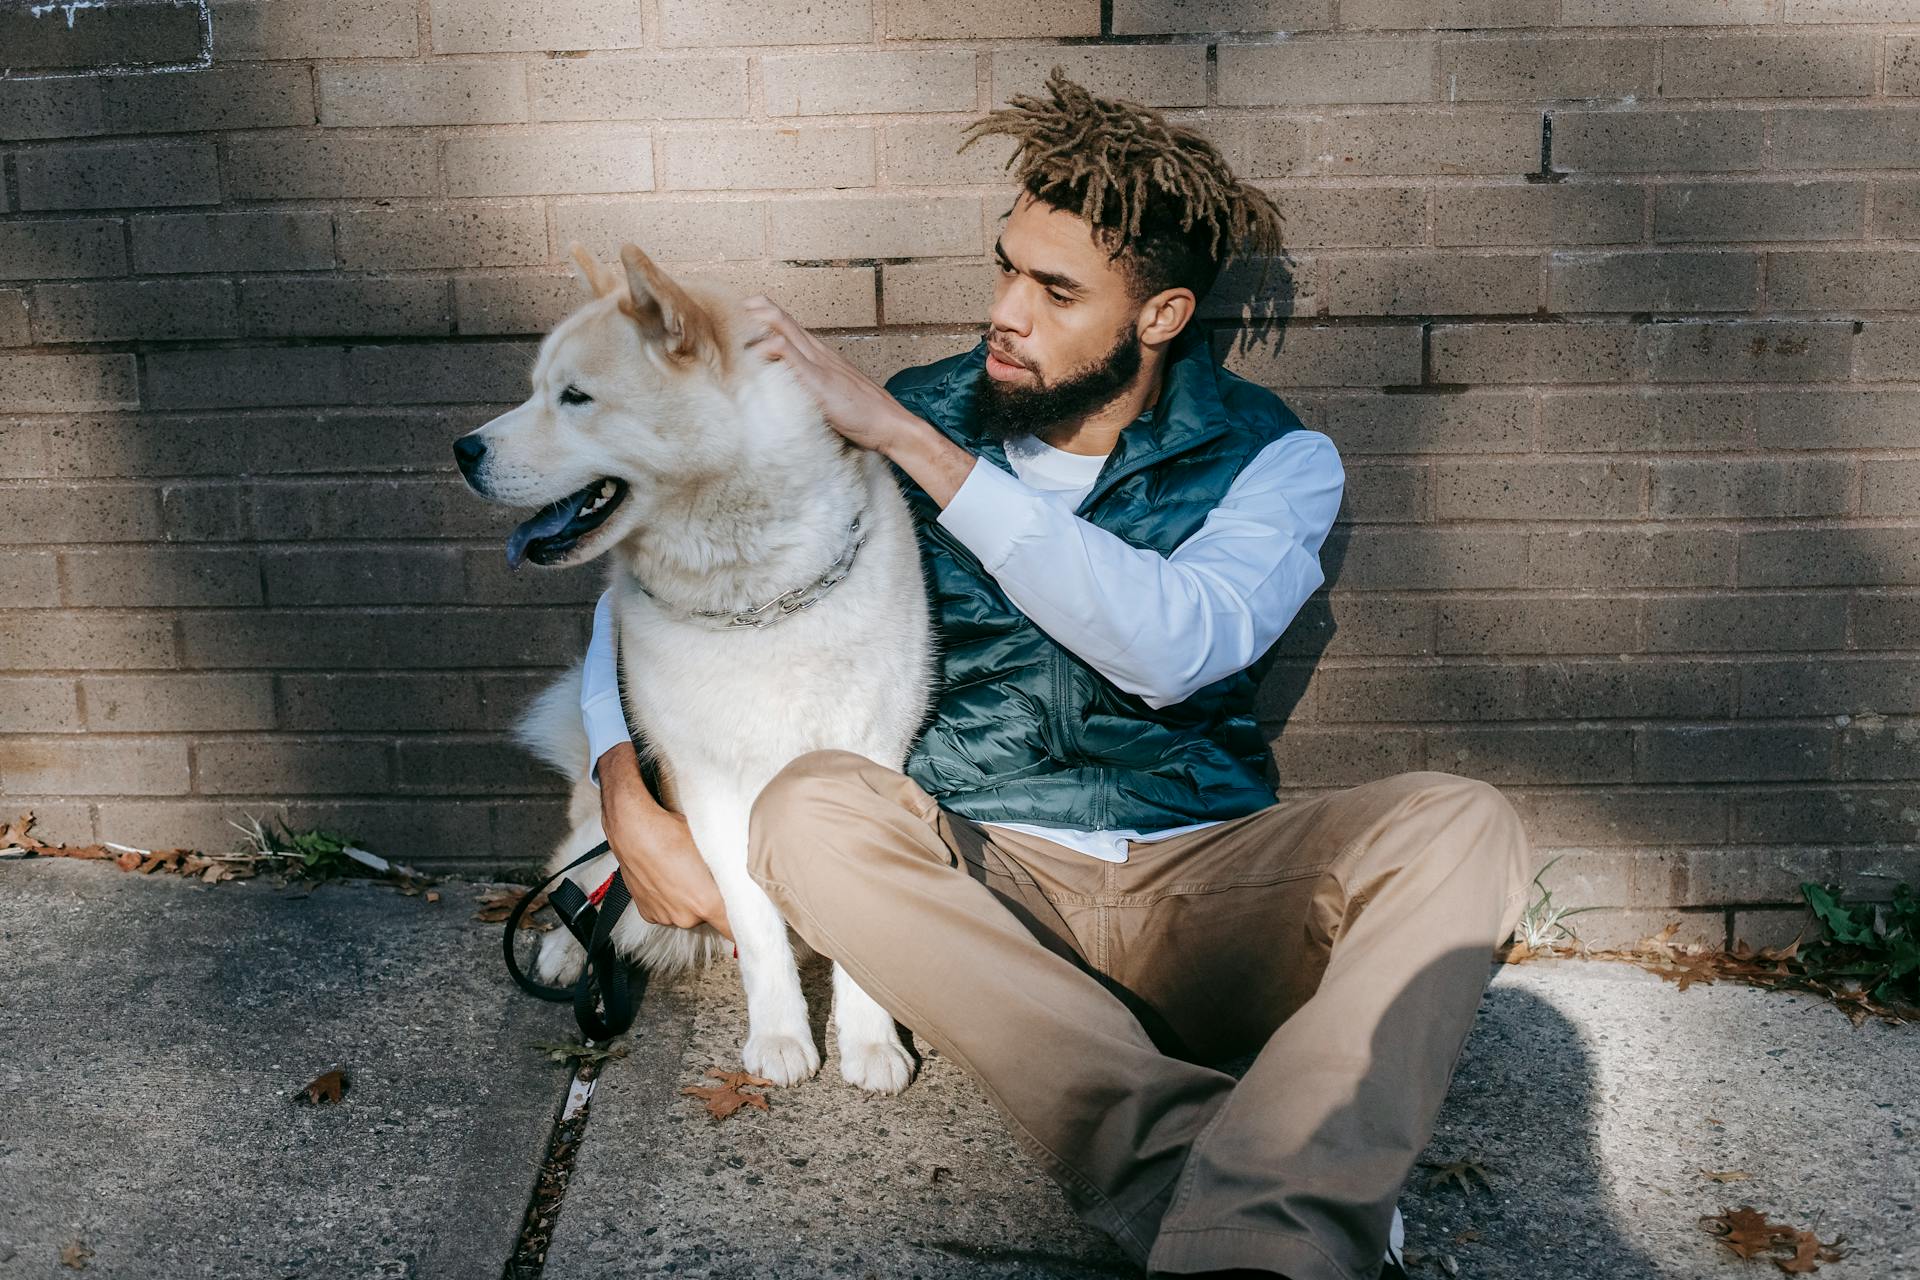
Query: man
x=1082 y=887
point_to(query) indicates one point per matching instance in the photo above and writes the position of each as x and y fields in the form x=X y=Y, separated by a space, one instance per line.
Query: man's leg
x=1219 y=936
x=1348 y=938
x=958 y=943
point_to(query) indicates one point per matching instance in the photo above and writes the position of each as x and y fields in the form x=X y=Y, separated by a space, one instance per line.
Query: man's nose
x=467 y=451
x=1007 y=314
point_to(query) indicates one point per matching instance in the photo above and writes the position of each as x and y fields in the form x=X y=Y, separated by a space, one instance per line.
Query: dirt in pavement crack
x=529 y=1258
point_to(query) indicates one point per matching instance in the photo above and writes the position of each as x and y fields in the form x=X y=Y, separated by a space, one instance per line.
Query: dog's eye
x=571 y=394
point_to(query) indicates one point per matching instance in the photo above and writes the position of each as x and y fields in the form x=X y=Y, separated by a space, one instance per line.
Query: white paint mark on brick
x=42 y=10
x=71 y=8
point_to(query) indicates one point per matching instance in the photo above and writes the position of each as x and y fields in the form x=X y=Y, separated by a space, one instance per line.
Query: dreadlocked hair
x=1156 y=192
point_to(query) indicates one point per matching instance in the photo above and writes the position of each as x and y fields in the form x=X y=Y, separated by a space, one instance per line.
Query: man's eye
x=1059 y=298
x=574 y=395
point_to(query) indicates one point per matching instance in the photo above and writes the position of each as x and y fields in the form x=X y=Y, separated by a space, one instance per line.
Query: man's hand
x=663 y=870
x=856 y=406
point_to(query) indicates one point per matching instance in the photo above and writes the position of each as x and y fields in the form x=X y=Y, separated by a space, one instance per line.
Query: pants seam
x=1184 y=1180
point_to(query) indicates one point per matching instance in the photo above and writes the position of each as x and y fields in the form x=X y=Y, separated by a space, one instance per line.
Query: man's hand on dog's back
x=662 y=867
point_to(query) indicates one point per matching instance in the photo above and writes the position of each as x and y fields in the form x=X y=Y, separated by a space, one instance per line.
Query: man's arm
x=663 y=869
x=1162 y=627
x=600 y=712
x=1158 y=626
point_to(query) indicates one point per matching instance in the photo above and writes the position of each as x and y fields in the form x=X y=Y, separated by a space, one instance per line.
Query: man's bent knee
x=782 y=807
x=1507 y=854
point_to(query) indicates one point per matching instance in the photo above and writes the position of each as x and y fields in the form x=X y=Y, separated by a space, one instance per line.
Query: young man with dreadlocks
x=1082 y=888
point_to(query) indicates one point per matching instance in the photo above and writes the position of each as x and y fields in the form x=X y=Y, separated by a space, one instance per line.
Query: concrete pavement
x=153 y=1030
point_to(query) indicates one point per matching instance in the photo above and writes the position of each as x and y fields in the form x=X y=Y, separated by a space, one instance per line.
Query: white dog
x=716 y=484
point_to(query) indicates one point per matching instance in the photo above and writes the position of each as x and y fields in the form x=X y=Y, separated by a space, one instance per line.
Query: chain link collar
x=782 y=605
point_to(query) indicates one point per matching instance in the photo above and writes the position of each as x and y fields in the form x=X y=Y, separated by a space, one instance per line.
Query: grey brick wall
x=1610 y=304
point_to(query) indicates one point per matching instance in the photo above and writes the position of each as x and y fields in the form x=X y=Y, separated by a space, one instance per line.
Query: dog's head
x=627 y=392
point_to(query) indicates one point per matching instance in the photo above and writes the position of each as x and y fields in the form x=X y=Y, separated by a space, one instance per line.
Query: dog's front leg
x=871 y=1055
x=779 y=1043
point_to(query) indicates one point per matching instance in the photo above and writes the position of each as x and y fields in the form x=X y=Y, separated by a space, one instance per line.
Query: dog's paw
x=883 y=1066
x=782 y=1059
x=561 y=959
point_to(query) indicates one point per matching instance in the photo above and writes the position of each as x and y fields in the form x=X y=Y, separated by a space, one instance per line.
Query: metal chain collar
x=784 y=604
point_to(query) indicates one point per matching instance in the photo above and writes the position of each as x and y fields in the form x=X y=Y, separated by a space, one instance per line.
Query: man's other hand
x=662 y=867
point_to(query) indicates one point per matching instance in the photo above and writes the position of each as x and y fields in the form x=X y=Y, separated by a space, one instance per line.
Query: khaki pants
x=1347 y=939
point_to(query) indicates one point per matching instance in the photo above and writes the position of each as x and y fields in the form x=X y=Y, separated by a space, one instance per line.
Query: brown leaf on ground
x=18 y=834
x=1725 y=1175
x=724 y=1099
x=75 y=1255
x=325 y=1088
x=433 y=895
x=1460 y=1171
x=1769 y=968
x=1748 y=1233
x=497 y=904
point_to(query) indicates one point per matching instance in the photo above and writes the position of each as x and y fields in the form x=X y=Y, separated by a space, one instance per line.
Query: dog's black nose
x=468 y=450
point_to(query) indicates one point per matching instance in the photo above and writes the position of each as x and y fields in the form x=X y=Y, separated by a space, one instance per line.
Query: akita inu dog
x=723 y=499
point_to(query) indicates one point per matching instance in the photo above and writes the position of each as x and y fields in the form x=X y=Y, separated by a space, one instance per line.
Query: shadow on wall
x=1613 y=538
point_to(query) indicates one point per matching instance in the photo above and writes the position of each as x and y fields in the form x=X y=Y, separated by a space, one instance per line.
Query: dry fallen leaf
x=1748 y=1234
x=497 y=904
x=18 y=834
x=326 y=1088
x=1725 y=1175
x=75 y=1255
x=1458 y=1171
x=725 y=1098
x=1769 y=968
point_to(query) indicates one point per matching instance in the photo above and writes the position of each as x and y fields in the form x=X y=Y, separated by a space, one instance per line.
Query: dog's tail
x=551 y=727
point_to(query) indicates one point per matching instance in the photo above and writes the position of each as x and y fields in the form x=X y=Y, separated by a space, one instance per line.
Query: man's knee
x=1499 y=840
x=1501 y=848
x=786 y=807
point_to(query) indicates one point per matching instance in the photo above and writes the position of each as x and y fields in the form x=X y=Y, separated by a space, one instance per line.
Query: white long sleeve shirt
x=1159 y=627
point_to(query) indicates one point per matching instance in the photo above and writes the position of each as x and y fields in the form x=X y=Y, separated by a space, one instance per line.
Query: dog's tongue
x=552 y=519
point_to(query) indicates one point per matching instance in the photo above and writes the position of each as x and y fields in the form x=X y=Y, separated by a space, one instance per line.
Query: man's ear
x=1165 y=314
x=663 y=310
x=594 y=278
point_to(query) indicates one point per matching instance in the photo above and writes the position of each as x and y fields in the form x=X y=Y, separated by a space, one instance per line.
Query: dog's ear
x=664 y=311
x=594 y=278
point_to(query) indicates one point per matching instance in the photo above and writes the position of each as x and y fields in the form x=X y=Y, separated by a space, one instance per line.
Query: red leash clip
x=601 y=893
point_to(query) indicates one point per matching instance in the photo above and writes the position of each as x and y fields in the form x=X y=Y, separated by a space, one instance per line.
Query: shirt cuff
x=990 y=512
x=606 y=728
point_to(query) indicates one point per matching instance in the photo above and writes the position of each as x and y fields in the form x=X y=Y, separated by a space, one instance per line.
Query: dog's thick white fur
x=735 y=490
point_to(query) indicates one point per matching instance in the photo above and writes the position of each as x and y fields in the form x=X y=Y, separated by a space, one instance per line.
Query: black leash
x=608 y=992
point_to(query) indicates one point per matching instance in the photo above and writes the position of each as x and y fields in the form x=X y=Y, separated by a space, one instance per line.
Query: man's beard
x=1007 y=410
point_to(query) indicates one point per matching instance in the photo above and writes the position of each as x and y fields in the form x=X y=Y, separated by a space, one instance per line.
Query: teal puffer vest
x=1024 y=731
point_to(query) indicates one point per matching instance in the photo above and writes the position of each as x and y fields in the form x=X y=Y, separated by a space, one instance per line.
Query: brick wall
x=1610 y=305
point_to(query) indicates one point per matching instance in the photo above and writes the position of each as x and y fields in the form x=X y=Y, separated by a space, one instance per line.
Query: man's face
x=1063 y=337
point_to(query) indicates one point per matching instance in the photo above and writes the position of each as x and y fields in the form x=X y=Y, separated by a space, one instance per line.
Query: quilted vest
x=1021 y=729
